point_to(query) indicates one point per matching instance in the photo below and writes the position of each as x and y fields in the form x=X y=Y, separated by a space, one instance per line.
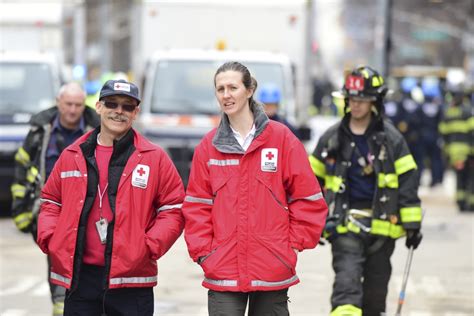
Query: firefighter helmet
x=365 y=82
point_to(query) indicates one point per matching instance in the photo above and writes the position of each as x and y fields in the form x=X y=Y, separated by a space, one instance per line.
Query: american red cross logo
x=269 y=155
x=141 y=172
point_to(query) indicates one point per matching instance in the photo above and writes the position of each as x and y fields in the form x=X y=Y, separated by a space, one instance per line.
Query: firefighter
x=51 y=131
x=455 y=131
x=370 y=183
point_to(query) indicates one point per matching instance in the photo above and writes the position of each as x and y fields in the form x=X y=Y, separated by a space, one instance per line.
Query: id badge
x=101 y=226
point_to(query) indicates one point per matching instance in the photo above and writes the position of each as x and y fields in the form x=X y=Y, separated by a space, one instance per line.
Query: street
x=441 y=281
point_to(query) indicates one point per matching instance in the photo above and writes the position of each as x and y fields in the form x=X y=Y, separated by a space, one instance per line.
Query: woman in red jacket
x=251 y=205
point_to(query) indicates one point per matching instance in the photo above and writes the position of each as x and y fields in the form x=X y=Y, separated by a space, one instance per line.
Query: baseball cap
x=119 y=87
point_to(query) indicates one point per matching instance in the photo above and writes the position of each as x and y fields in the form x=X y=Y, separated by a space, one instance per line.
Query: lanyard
x=101 y=195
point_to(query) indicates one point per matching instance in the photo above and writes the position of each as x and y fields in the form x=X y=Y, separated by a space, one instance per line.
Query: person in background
x=430 y=138
x=370 y=184
x=252 y=204
x=51 y=131
x=270 y=96
x=110 y=209
x=455 y=131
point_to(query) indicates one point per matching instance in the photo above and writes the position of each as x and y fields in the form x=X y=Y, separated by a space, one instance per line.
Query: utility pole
x=387 y=38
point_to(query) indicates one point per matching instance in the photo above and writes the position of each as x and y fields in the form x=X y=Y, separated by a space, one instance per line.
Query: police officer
x=370 y=183
x=270 y=96
x=430 y=138
x=51 y=131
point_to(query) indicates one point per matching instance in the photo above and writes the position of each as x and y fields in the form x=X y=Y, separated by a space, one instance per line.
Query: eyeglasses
x=126 y=107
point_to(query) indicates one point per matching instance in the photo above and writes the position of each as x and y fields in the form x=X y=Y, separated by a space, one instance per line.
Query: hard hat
x=365 y=82
x=269 y=93
x=407 y=84
x=430 y=87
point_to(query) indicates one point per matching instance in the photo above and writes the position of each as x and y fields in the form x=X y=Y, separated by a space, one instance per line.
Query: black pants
x=89 y=299
x=271 y=303
x=362 y=271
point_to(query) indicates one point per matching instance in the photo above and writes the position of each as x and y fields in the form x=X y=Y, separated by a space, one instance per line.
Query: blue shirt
x=361 y=186
x=61 y=137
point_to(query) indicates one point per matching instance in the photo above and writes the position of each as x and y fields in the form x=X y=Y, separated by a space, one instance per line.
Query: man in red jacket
x=110 y=209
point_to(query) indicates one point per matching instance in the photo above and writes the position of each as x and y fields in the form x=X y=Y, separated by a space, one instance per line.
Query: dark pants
x=90 y=299
x=261 y=303
x=362 y=272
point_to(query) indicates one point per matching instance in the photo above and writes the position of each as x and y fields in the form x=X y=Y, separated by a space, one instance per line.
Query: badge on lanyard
x=101 y=226
x=269 y=160
x=140 y=176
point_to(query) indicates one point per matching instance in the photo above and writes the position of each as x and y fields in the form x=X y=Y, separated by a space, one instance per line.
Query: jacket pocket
x=278 y=200
x=221 y=261
x=283 y=258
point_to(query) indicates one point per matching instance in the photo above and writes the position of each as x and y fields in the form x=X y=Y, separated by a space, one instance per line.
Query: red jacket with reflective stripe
x=246 y=211
x=147 y=219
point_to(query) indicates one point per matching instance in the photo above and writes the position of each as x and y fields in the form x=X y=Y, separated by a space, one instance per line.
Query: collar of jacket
x=224 y=139
x=47 y=117
x=132 y=138
x=375 y=128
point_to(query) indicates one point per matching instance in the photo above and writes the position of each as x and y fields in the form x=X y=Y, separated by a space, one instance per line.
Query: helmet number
x=355 y=83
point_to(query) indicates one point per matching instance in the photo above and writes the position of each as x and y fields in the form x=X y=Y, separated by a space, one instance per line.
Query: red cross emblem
x=141 y=172
x=269 y=155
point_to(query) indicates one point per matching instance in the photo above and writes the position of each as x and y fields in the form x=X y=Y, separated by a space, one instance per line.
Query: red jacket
x=147 y=213
x=245 y=211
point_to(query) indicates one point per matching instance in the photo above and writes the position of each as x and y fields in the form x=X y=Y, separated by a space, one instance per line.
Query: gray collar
x=224 y=139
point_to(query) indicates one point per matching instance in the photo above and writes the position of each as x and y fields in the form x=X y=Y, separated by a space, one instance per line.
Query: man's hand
x=23 y=221
x=414 y=238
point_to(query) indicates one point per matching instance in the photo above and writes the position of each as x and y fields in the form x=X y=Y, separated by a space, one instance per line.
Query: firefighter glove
x=330 y=230
x=23 y=221
x=414 y=238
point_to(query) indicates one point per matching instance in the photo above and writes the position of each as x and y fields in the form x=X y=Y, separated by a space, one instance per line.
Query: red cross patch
x=269 y=159
x=140 y=176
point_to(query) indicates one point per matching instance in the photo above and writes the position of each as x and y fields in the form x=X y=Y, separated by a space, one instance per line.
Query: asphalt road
x=441 y=280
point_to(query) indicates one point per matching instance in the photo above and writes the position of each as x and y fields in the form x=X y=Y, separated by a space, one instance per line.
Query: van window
x=187 y=87
x=25 y=87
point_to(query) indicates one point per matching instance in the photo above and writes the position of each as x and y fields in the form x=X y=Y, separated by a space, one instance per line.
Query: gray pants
x=261 y=303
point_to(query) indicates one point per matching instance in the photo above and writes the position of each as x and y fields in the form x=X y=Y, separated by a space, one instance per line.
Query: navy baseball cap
x=119 y=87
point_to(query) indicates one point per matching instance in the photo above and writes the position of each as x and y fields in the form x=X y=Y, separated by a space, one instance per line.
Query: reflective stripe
x=221 y=282
x=273 y=284
x=410 y=214
x=224 y=162
x=169 y=207
x=378 y=227
x=389 y=180
x=23 y=220
x=333 y=183
x=455 y=126
x=319 y=169
x=31 y=174
x=385 y=228
x=60 y=278
x=193 y=199
x=134 y=280
x=22 y=156
x=50 y=201
x=18 y=191
x=313 y=197
x=70 y=174
x=346 y=310
x=404 y=164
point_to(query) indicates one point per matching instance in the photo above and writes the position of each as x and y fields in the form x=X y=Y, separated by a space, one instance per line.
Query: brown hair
x=247 y=79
